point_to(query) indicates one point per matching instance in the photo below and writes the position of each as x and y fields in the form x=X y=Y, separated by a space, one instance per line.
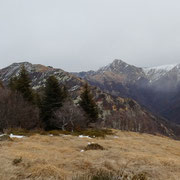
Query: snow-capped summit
x=155 y=73
x=166 y=67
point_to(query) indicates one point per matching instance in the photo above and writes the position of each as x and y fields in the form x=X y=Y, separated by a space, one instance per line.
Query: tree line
x=50 y=108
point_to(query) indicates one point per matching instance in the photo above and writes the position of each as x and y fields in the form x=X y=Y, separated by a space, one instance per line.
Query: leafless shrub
x=137 y=122
x=69 y=117
x=15 y=112
x=118 y=120
x=115 y=120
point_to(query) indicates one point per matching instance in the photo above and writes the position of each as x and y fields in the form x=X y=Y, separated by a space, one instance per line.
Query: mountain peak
x=116 y=66
x=121 y=68
x=118 y=61
x=25 y=63
x=31 y=67
x=14 y=69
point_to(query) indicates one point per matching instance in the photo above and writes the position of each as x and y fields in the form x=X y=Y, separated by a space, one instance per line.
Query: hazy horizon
x=86 y=35
x=96 y=68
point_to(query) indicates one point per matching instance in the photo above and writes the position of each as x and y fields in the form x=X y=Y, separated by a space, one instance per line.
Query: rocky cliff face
x=155 y=88
x=135 y=117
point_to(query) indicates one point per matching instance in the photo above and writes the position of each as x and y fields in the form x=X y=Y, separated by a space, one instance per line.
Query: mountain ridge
x=130 y=112
x=118 y=66
x=152 y=87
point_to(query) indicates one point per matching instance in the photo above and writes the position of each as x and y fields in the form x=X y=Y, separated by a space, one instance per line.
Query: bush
x=17 y=161
x=93 y=147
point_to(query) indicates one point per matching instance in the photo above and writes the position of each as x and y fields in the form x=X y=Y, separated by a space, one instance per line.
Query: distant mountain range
x=134 y=117
x=156 y=88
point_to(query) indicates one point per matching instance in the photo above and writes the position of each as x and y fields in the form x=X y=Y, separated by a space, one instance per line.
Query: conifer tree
x=52 y=101
x=37 y=99
x=1 y=84
x=65 y=92
x=22 y=84
x=13 y=83
x=88 y=104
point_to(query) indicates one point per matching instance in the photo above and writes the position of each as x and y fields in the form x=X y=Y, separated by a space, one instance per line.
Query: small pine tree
x=52 y=101
x=22 y=84
x=88 y=104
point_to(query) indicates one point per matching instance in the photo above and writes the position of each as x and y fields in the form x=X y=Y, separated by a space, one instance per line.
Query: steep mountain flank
x=155 y=73
x=155 y=88
x=131 y=114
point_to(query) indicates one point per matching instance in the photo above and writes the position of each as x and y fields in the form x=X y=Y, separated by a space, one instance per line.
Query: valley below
x=132 y=155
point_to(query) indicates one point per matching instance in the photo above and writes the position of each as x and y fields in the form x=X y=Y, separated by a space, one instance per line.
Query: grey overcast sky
x=78 y=35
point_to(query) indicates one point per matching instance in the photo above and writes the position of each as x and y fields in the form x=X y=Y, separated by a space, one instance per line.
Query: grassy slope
x=45 y=157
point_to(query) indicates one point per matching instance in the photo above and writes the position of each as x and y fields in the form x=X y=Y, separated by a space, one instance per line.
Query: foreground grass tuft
x=105 y=175
x=5 y=138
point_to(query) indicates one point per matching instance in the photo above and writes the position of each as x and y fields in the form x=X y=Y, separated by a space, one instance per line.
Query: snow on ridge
x=156 y=72
x=166 y=67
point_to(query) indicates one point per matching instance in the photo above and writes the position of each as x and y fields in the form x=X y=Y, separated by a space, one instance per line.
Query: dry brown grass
x=59 y=157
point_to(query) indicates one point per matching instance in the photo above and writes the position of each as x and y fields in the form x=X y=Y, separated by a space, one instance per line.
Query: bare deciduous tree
x=118 y=120
x=15 y=112
x=69 y=117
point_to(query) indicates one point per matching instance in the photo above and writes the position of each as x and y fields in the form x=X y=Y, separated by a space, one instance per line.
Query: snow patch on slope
x=167 y=67
x=155 y=73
